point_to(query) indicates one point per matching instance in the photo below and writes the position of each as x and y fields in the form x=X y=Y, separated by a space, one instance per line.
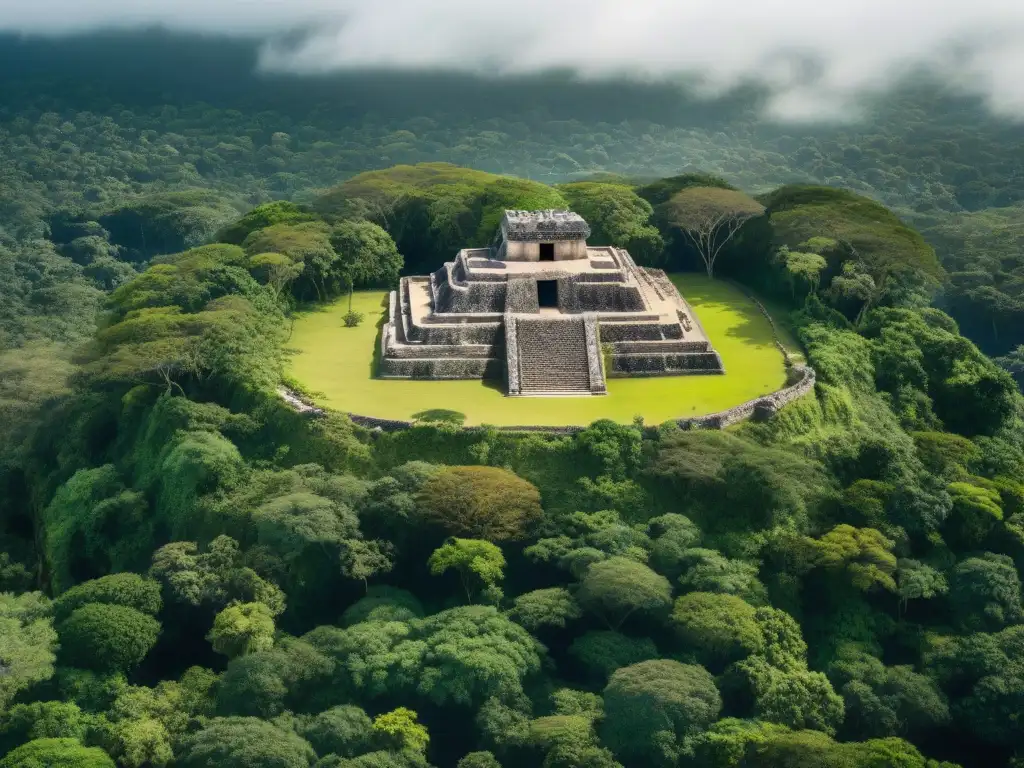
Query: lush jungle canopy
x=193 y=573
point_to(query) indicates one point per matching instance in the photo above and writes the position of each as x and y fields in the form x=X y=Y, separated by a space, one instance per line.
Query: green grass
x=335 y=364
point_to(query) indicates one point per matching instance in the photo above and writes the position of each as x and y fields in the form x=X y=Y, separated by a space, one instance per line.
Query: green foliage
x=709 y=217
x=94 y=523
x=107 y=637
x=432 y=209
x=242 y=628
x=128 y=589
x=795 y=697
x=383 y=604
x=706 y=570
x=602 y=652
x=617 y=588
x=27 y=643
x=985 y=592
x=893 y=255
x=552 y=607
x=617 y=216
x=239 y=742
x=56 y=753
x=479 y=502
x=344 y=730
x=400 y=729
x=166 y=222
x=721 y=628
x=479 y=760
x=651 y=707
x=462 y=655
x=261 y=217
x=863 y=554
x=476 y=561
x=214 y=578
x=808 y=511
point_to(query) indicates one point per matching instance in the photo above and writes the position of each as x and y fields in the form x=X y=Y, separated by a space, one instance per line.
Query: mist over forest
x=195 y=573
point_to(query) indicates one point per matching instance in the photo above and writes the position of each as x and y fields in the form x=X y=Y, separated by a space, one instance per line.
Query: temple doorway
x=547 y=251
x=547 y=293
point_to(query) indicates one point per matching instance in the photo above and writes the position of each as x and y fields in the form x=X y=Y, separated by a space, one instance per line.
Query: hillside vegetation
x=192 y=573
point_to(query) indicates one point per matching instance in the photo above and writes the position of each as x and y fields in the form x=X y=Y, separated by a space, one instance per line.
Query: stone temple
x=544 y=311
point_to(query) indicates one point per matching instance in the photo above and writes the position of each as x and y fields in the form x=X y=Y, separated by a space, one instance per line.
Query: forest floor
x=335 y=364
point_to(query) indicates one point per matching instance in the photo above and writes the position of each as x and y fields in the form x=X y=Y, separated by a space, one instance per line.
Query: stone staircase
x=553 y=357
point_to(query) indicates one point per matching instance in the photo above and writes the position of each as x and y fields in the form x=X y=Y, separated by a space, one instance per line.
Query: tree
x=214 y=578
x=602 y=652
x=479 y=760
x=276 y=270
x=107 y=637
x=918 y=581
x=616 y=588
x=884 y=701
x=242 y=628
x=855 y=284
x=722 y=628
x=344 y=730
x=479 y=502
x=985 y=592
x=553 y=607
x=802 y=268
x=127 y=589
x=366 y=255
x=462 y=655
x=27 y=643
x=706 y=570
x=474 y=560
x=41 y=720
x=709 y=217
x=651 y=707
x=262 y=216
x=56 y=753
x=617 y=216
x=795 y=697
x=307 y=244
x=401 y=730
x=241 y=742
x=673 y=537
x=361 y=559
x=383 y=603
x=864 y=554
x=266 y=683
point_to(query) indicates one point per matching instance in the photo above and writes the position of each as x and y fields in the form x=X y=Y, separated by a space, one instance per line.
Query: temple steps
x=552 y=356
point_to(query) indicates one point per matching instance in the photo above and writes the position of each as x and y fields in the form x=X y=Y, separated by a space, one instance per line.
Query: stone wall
x=618 y=332
x=512 y=354
x=521 y=297
x=654 y=364
x=434 y=368
x=595 y=366
x=762 y=407
x=666 y=346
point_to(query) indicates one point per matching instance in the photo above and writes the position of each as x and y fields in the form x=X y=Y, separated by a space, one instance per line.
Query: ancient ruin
x=546 y=312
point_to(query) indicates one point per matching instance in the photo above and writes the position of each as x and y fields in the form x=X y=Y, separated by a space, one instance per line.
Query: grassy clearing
x=336 y=363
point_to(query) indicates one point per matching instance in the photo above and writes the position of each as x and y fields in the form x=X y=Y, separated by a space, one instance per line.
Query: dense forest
x=194 y=574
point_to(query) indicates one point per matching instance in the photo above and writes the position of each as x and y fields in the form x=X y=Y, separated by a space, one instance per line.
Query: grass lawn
x=335 y=363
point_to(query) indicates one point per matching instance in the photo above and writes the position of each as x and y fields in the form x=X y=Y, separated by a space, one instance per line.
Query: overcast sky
x=860 y=44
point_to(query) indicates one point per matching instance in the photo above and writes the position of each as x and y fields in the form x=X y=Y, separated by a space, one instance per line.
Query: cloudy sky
x=817 y=54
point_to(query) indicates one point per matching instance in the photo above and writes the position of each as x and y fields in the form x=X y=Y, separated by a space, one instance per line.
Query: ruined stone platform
x=555 y=324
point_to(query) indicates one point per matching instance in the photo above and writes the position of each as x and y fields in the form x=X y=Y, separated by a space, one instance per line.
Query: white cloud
x=857 y=45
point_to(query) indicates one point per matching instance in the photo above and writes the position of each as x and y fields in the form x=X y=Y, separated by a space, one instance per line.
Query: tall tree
x=710 y=217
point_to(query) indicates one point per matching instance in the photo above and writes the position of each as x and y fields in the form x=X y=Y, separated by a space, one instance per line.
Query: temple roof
x=544 y=225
